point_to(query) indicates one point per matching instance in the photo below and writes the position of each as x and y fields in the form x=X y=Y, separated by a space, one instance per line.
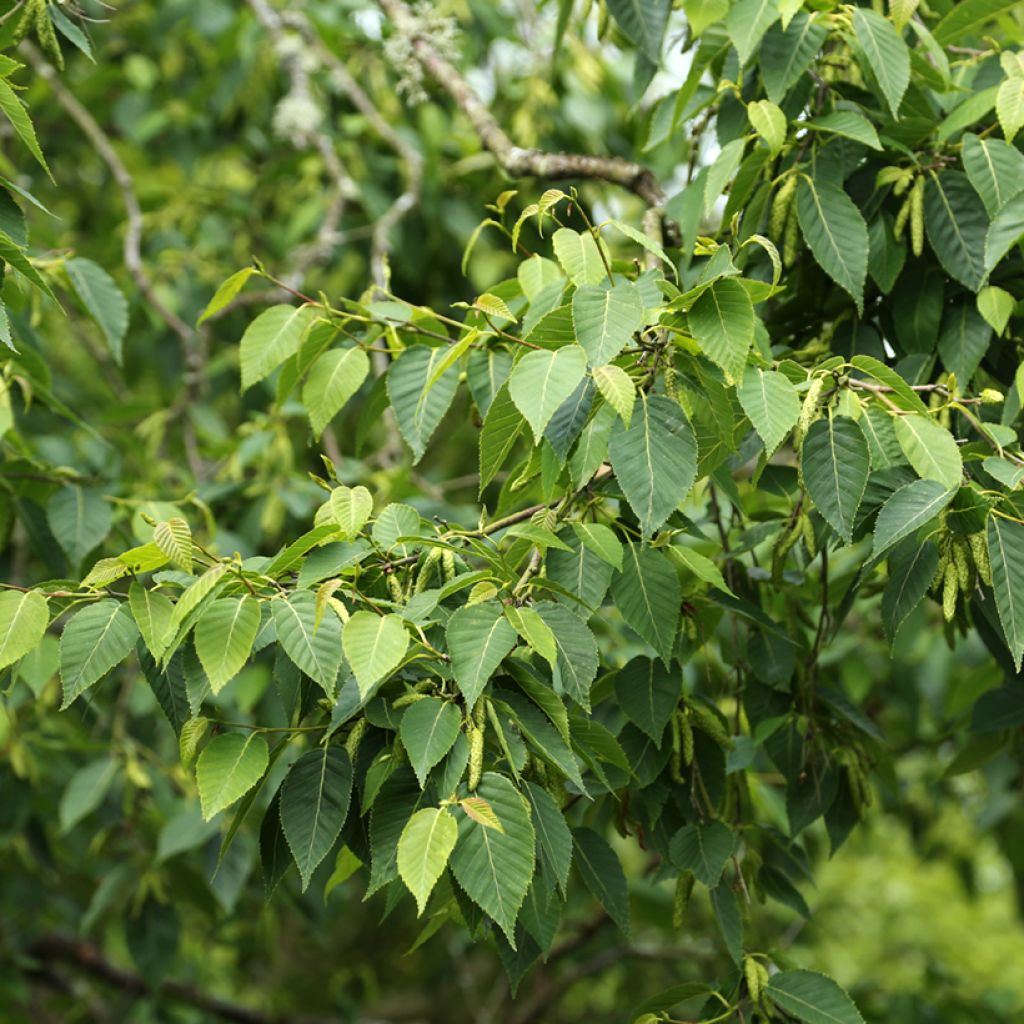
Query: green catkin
x=963 y=565
x=671 y=381
x=808 y=531
x=476 y=756
x=676 y=760
x=395 y=589
x=448 y=565
x=950 y=588
x=809 y=408
x=979 y=551
x=355 y=737
x=681 y=900
x=753 y=977
x=426 y=570
x=940 y=569
x=686 y=734
x=901 y=219
x=780 y=207
x=791 y=239
x=47 y=36
x=602 y=19
x=917 y=217
x=408 y=698
x=28 y=16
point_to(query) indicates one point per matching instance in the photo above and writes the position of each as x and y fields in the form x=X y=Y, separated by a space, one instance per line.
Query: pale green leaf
x=605 y=319
x=23 y=620
x=429 y=729
x=229 y=766
x=542 y=380
x=771 y=403
x=479 y=638
x=94 y=640
x=930 y=449
x=374 y=646
x=224 y=636
x=335 y=377
x=315 y=650
x=424 y=847
x=271 y=338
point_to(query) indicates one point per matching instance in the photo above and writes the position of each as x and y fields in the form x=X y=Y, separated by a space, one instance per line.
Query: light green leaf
x=930 y=449
x=835 y=232
x=542 y=380
x=996 y=170
x=528 y=623
x=647 y=594
x=812 y=998
x=424 y=847
x=270 y=339
x=956 y=223
x=907 y=509
x=418 y=408
x=887 y=55
x=654 y=459
x=769 y=122
x=647 y=693
x=617 y=389
x=771 y=403
x=374 y=647
x=95 y=639
x=314 y=804
x=747 y=22
x=967 y=16
x=103 y=300
x=503 y=424
x=701 y=567
x=1006 y=554
x=429 y=729
x=23 y=621
x=226 y=292
x=335 y=377
x=80 y=519
x=722 y=323
x=18 y=116
x=835 y=465
x=174 y=538
x=479 y=638
x=849 y=124
x=495 y=868
x=315 y=650
x=1005 y=231
x=704 y=850
x=579 y=256
x=351 y=508
x=224 y=637
x=996 y=305
x=229 y=766
x=1010 y=106
x=605 y=318
x=601 y=540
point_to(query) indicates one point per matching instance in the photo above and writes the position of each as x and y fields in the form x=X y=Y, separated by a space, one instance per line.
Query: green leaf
x=224 y=637
x=930 y=449
x=1006 y=555
x=602 y=874
x=605 y=319
x=835 y=465
x=787 y=52
x=747 y=22
x=479 y=638
x=174 y=538
x=424 y=847
x=722 y=171
x=23 y=621
x=535 y=631
x=80 y=519
x=967 y=16
x=576 y=660
x=812 y=998
x=503 y=424
x=374 y=647
x=351 y=508
x=701 y=567
x=542 y=380
x=769 y=122
x=643 y=22
x=911 y=569
x=850 y=125
x=419 y=405
x=229 y=766
x=964 y=341
x=835 y=232
x=647 y=693
x=956 y=222
x=271 y=338
x=554 y=840
x=648 y=595
x=315 y=650
x=722 y=323
x=495 y=868
x=995 y=169
x=579 y=256
x=654 y=459
x=103 y=300
x=1005 y=231
x=601 y=540
x=314 y=804
x=18 y=116
x=704 y=850
x=1010 y=106
x=887 y=55
x=335 y=377
x=996 y=305
x=85 y=792
x=226 y=292
x=96 y=638
x=907 y=509
x=429 y=729
x=771 y=403
x=617 y=389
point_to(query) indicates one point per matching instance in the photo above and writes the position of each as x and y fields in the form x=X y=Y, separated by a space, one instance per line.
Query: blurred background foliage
x=919 y=914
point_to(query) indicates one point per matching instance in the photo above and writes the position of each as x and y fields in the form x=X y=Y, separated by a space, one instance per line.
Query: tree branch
x=514 y=160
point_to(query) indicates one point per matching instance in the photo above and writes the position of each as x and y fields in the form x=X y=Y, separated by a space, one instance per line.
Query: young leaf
x=930 y=449
x=96 y=638
x=428 y=730
x=835 y=465
x=224 y=637
x=226 y=293
x=654 y=459
x=23 y=621
x=495 y=868
x=313 y=649
x=419 y=405
x=351 y=508
x=314 y=804
x=270 y=339
x=479 y=638
x=617 y=389
x=542 y=380
x=335 y=377
x=605 y=318
x=374 y=647
x=771 y=403
x=424 y=847
x=747 y=22
x=174 y=539
x=579 y=256
x=229 y=766
x=995 y=169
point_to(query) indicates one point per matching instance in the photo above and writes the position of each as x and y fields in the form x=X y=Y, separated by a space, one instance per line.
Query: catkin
x=686 y=734
x=47 y=36
x=809 y=408
x=684 y=887
x=676 y=761
x=780 y=207
x=355 y=737
x=917 y=217
x=448 y=565
x=901 y=220
x=979 y=552
x=963 y=566
x=791 y=239
x=950 y=589
x=476 y=756
x=426 y=570
x=395 y=589
x=753 y=977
